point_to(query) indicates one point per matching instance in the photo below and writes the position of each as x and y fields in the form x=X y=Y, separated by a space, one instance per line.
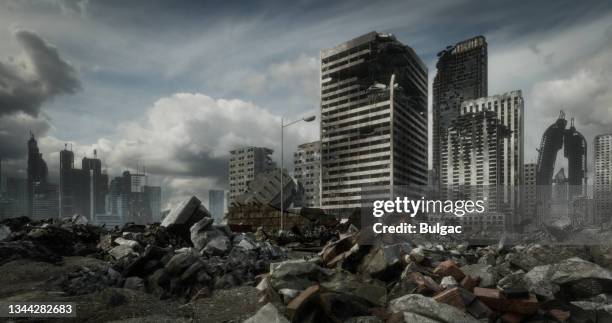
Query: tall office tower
x=472 y=158
x=602 y=181
x=97 y=184
x=216 y=204
x=373 y=121
x=461 y=75
x=509 y=109
x=17 y=194
x=529 y=192
x=82 y=191
x=244 y=164
x=37 y=171
x=67 y=183
x=132 y=200
x=153 y=195
x=307 y=173
x=45 y=201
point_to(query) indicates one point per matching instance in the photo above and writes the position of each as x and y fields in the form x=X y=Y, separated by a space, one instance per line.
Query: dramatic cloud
x=34 y=77
x=185 y=141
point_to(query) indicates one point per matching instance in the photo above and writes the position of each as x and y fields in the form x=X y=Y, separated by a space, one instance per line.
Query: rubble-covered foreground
x=189 y=269
x=350 y=282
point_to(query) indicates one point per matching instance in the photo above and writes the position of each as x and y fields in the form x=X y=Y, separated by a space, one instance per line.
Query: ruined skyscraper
x=373 y=120
x=574 y=150
x=37 y=172
x=307 y=161
x=461 y=75
x=245 y=163
x=472 y=158
x=602 y=181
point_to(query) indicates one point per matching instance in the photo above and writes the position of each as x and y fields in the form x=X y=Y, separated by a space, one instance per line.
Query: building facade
x=602 y=181
x=82 y=191
x=472 y=158
x=373 y=120
x=307 y=173
x=245 y=163
x=461 y=75
x=37 y=173
x=132 y=200
x=216 y=204
x=529 y=192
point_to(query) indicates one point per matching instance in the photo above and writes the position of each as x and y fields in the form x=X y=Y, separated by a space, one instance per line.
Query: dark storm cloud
x=41 y=74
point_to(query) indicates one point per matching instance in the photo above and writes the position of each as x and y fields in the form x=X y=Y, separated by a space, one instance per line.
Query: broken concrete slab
x=368 y=289
x=486 y=273
x=183 y=216
x=428 y=307
x=267 y=314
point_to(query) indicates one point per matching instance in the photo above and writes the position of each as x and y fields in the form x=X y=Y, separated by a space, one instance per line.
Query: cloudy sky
x=175 y=85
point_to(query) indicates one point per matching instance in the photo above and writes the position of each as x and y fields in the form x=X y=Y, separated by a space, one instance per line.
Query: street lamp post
x=283 y=126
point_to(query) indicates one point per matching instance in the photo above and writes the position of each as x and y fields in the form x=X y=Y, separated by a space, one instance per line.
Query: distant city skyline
x=179 y=92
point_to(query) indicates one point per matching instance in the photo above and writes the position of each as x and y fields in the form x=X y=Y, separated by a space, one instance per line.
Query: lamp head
x=308 y=119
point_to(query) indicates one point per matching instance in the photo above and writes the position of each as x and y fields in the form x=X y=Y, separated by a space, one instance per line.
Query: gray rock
x=297 y=274
x=288 y=294
x=201 y=232
x=513 y=280
x=416 y=318
x=538 y=255
x=135 y=283
x=417 y=254
x=122 y=251
x=180 y=262
x=364 y=319
x=371 y=290
x=130 y=243
x=5 y=232
x=428 y=307
x=546 y=280
x=382 y=258
x=448 y=281
x=246 y=244
x=184 y=215
x=267 y=314
x=79 y=220
x=487 y=274
x=219 y=245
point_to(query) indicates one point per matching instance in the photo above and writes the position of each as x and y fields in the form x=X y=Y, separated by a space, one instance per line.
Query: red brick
x=511 y=318
x=494 y=299
x=425 y=285
x=449 y=268
x=451 y=297
x=469 y=282
x=301 y=299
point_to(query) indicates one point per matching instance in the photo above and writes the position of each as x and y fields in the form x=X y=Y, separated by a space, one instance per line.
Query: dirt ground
x=25 y=280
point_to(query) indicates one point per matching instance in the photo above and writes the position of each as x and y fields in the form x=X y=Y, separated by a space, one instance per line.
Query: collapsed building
x=574 y=150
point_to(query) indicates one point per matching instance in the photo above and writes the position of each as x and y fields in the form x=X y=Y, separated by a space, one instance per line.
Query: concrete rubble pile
x=184 y=258
x=349 y=281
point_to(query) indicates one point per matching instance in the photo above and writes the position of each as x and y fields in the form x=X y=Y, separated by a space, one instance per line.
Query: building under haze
x=461 y=75
x=37 y=174
x=373 y=120
x=574 y=147
x=307 y=173
x=216 y=204
x=132 y=200
x=529 y=192
x=82 y=191
x=245 y=163
x=602 y=180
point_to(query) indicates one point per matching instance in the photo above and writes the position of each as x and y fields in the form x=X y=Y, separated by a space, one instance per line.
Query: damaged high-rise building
x=245 y=163
x=574 y=150
x=307 y=173
x=373 y=120
x=602 y=181
x=461 y=75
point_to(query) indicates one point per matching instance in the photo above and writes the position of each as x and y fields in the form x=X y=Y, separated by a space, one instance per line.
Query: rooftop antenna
x=572 y=122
